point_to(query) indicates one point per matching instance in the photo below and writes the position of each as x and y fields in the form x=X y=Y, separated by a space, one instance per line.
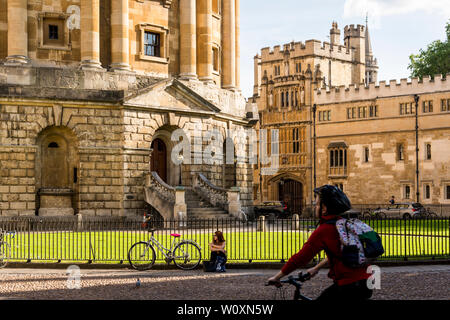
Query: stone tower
x=354 y=37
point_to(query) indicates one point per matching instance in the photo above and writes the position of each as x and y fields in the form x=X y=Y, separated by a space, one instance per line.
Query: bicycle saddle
x=176 y=235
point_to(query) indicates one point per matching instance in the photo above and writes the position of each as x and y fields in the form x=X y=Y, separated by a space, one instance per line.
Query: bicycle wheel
x=5 y=254
x=141 y=256
x=186 y=255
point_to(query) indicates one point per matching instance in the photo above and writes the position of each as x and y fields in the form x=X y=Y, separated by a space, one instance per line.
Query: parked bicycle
x=373 y=214
x=186 y=254
x=5 y=248
x=280 y=294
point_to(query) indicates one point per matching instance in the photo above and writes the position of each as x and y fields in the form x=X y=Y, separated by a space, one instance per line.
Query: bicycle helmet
x=333 y=198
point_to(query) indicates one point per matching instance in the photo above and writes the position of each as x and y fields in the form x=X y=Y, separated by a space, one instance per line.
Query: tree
x=434 y=60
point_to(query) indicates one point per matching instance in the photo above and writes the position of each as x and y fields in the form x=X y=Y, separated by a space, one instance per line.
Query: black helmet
x=334 y=199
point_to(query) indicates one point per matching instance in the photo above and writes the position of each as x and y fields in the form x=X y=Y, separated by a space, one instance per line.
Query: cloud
x=380 y=8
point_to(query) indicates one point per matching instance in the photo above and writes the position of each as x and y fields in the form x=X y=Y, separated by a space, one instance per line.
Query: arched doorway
x=57 y=164
x=291 y=193
x=159 y=158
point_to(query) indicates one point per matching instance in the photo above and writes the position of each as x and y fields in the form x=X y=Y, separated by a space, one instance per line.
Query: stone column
x=188 y=39
x=237 y=44
x=90 y=34
x=120 y=56
x=17 y=32
x=229 y=45
x=204 y=40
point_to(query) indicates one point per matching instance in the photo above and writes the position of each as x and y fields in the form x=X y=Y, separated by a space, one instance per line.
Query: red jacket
x=326 y=237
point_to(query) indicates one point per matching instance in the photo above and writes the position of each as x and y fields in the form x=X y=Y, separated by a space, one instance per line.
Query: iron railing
x=107 y=240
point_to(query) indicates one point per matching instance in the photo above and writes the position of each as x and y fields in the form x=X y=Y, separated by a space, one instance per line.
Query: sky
x=398 y=28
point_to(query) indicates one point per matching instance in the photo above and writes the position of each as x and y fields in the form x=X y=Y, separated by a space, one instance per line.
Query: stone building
x=91 y=93
x=327 y=131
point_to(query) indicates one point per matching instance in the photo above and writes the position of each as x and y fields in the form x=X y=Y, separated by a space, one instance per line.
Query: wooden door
x=159 y=158
x=291 y=193
x=54 y=165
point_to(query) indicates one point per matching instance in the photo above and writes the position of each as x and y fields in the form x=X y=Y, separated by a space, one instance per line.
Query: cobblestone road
x=404 y=283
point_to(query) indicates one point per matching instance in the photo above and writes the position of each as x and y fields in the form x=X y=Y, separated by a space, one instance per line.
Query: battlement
x=383 y=89
x=310 y=47
x=352 y=31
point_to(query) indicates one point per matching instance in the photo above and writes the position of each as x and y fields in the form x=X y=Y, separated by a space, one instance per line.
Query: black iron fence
x=107 y=240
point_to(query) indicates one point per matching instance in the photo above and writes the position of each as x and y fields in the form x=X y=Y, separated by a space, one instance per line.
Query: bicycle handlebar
x=301 y=277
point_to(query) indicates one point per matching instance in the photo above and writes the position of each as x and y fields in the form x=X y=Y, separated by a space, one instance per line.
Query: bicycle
x=186 y=254
x=5 y=248
x=297 y=283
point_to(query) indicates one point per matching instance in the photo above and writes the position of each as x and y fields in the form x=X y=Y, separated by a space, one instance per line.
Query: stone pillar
x=229 y=45
x=17 y=32
x=90 y=34
x=188 y=39
x=120 y=56
x=237 y=45
x=234 y=204
x=204 y=40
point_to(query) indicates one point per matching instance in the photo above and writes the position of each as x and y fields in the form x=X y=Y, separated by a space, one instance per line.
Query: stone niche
x=55 y=202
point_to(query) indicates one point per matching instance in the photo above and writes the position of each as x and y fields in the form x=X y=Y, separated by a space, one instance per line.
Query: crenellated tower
x=354 y=38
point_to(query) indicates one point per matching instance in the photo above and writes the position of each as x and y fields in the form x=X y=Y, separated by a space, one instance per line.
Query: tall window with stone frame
x=407 y=192
x=427 y=192
x=445 y=105
x=152 y=44
x=400 y=152
x=428 y=151
x=447 y=192
x=216 y=56
x=366 y=154
x=337 y=159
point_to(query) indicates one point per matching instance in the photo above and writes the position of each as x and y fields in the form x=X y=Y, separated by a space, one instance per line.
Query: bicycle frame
x=161 y=248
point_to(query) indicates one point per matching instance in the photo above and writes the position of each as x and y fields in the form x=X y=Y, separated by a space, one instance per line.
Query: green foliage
x=434 y=60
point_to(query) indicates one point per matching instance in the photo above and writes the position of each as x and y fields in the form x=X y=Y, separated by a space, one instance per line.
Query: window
x=428 y=151
x=373 y=111
x=152 y=44
x=400 y=152
x=447 y=192
x=445 y=105
x=282 y=99
x=427 y=191
x=216 y=59
x=427 y=106
x=340 y=186
x=52 y=32
x=407 y=192
x=338 y=159
x=366 y=154
x=407 y=108
x=325 y=115
x=296 y=141
x=216 y=7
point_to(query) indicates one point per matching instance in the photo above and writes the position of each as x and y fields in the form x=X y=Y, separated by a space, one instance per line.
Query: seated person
x=217 y=248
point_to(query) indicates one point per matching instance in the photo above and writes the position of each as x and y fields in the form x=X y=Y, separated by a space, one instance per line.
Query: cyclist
x=330 y=202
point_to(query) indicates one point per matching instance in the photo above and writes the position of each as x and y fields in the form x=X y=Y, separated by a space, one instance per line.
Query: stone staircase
x=198 y=208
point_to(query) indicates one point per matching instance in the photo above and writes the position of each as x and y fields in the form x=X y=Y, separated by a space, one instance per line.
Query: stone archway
x=57 y=167
x=289 y=189
x=161 y=159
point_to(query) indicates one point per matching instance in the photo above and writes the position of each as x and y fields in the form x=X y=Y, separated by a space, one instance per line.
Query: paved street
x=405 y=283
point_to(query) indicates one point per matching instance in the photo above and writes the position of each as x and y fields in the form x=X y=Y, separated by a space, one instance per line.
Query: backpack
x=360 y=244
